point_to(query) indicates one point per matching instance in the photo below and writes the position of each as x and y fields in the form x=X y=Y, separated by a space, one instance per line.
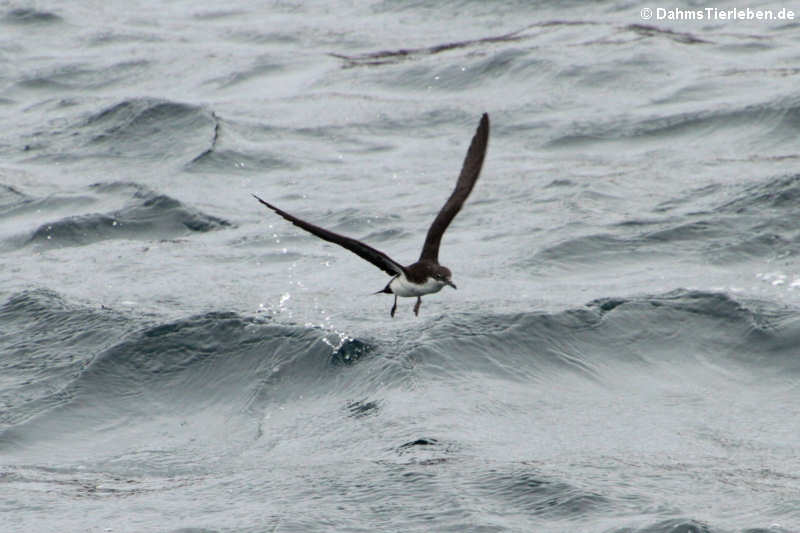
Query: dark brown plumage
x=470 y=170
x=426 y=275
x=376 y=257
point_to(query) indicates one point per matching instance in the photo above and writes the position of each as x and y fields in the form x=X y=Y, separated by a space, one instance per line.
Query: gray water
x=621 y=354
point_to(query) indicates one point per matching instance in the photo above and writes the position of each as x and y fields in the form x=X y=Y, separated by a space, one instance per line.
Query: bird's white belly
x=402 y=287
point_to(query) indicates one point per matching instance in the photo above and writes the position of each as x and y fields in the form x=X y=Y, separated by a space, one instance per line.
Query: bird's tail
x=387 y=289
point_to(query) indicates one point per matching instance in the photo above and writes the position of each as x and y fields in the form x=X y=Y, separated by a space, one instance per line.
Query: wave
x=100 y=357
x=115 y=362
x=701 y=237
x=227 y=160
x=755 y=220
x=781 y=193
x=148 y=215
x=679 y=329
x=675 y=525
x=46 y=344
x=775 y=120
x=685 y=525
x=526 y=491
x=136 y=396
x=25 y=16
x=78 y=77
x=147 y=129
x=11 y=197
x=247 y=156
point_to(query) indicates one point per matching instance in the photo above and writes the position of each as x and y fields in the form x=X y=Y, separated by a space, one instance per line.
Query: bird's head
x=442 y=275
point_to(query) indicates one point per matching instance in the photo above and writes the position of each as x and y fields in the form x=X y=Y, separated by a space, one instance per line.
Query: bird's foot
x=416 y=306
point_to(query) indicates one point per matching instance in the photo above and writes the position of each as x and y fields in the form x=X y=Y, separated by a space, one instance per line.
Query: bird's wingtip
x=260 y=200
x=484 y=121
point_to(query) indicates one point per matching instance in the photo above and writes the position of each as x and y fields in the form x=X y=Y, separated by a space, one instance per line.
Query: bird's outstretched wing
x=376 y=257
x=470 y=171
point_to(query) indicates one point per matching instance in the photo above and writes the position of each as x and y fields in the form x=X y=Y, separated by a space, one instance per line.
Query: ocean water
x=623 y=350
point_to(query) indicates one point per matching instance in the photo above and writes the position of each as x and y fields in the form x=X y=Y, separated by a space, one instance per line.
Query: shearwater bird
x=426 y=276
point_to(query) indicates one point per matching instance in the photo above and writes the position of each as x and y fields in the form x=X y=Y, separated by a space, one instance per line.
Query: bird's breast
x=401 y=286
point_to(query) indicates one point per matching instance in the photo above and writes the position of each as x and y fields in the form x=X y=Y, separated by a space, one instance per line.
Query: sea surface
x=622 y=354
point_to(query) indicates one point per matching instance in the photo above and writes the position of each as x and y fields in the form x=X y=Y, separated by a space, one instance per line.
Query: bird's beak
x=451 y=284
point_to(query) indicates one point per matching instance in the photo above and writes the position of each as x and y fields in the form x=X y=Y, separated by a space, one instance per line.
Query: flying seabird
x=426 y=276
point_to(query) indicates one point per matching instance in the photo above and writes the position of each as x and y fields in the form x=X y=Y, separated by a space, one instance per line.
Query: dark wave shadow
x=148 y=216
x=29 y=16
x=81 y=77
x=46 y=342
x=138 y=127
x=673 y=525
x=11 y=198
x=99 y=367
x=685 y=328
x=758 y=222
x=525 y=490
x=145 y=129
